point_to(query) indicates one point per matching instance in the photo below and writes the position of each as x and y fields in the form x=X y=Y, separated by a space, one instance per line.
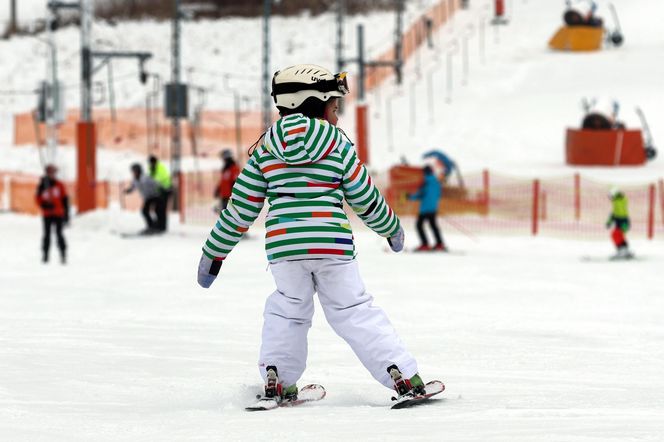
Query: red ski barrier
x=604 y=147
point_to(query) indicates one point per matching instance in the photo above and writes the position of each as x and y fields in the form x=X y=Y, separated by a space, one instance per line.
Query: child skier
x=305 y=168
x=619 y=219
x=429 y=195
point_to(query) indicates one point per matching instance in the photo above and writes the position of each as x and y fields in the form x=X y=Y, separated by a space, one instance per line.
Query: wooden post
x=535 y=211
x=577 y=196
x=661 y=197
x=486 y=190
x=651 y=211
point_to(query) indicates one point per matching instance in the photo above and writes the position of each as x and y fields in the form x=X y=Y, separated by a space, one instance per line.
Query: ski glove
x=396 y=241
x=208 y=269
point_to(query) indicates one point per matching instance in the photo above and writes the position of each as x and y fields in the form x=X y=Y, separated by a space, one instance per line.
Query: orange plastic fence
x=21 y=190
x=131 y=131
x=413 y=38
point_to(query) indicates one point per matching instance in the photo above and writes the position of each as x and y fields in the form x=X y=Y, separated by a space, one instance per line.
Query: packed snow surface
x=121 y=344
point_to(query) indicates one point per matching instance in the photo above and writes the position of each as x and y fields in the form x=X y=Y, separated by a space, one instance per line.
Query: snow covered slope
x=512 y=115
x=122 y=345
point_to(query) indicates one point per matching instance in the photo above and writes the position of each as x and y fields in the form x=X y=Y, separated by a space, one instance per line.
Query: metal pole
x=176 y=130
x=448 y=99
x=341 y=10
x=53 y=98
x=398 y=41
x=238 y=127
x=430 y=96
x=86 y=61
x=361 y=63
x=481 y=40
x=267 y=11
x=413 y=108
x=465 y=60
x=13 y=26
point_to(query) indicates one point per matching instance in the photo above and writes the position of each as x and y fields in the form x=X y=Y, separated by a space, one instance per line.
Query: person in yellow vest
x=619 y=219
x=162 y=176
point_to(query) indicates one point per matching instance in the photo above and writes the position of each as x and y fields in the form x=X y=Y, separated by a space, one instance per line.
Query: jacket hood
x=296 y=139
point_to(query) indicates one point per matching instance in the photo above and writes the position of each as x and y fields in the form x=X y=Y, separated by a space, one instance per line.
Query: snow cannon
x=584 y=31
x=603 y=141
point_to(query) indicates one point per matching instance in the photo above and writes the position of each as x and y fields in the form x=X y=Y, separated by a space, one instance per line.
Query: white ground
x=121 y=344
x=532 y=343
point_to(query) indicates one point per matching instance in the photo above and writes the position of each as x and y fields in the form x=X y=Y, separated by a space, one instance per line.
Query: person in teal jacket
x=429 y=196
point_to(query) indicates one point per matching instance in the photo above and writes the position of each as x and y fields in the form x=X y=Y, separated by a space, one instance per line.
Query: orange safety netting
x=570 y=206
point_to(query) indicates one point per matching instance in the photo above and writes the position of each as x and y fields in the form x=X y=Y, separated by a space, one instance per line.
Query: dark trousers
x=150 y=205
x=162 y=210
x=431 y=218
x=49 y=223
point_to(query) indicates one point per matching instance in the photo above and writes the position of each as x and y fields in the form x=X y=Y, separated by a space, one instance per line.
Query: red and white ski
x=432 y=388
x=308 y=393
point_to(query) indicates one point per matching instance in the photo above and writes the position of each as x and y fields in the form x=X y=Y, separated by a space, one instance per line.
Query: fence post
x=577 y=196
x=121 y=195
x=535 y=212
x=651 y=211
x=181 y=196
x=661 y=197
x=6 y=195
x=485 y=186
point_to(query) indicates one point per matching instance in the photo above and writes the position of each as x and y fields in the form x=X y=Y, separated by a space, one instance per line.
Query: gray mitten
x=396 y=241
x=208 y=269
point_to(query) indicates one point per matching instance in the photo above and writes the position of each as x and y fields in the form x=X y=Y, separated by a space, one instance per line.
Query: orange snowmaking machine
x=584 y=31
x=603 y=141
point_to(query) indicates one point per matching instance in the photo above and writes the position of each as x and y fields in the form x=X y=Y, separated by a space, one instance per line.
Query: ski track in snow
x=121 y=344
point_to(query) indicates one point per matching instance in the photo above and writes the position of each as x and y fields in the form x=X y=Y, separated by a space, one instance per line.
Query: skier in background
x=429 y=195
x=229 y=173
x=619 y=219
x=159 y=173
x=306 y=167
x=52 y=199
x=149 y=190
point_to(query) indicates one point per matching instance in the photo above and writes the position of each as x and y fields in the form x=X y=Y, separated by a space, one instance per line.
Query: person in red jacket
x=54 y=203
x=229 y=173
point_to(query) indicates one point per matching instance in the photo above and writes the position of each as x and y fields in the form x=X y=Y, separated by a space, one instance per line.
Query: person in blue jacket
x=429 y=195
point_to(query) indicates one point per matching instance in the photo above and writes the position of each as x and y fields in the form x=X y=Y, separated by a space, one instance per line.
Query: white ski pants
x=348 y=309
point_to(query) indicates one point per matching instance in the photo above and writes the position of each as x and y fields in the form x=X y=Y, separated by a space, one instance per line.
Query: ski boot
x=274 y=389
x=423 y=248
x=275 y=395
x=440 y=248
x=405 y=388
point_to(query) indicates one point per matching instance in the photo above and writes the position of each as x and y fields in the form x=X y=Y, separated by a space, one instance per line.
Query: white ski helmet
x=614 y=192
x=294 y=84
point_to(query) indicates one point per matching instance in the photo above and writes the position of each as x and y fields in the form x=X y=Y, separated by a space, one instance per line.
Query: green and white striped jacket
x=305 y=168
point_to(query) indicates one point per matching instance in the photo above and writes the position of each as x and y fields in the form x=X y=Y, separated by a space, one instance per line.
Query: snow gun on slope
x=584 y=30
